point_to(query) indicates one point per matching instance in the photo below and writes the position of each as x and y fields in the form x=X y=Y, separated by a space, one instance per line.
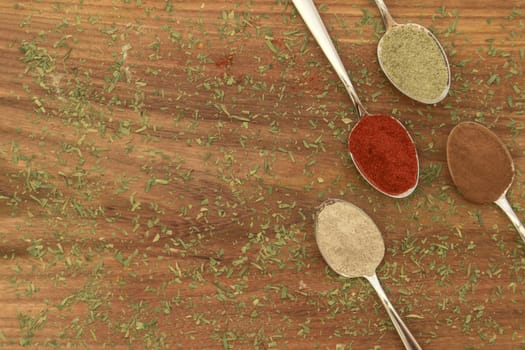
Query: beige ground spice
x=479 y=163
x=348 y=239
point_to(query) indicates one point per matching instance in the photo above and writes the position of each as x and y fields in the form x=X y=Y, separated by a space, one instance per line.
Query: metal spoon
x=485 y=189
x=390 y=23
x=311 y=17
x=339 y=239
x=504 y=204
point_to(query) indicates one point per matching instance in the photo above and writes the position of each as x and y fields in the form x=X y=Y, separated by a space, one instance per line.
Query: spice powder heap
x=414 y=63
x=349 y=240
x=384 y=153
x=480 y=165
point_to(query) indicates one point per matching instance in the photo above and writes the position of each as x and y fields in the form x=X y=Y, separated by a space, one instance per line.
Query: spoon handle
x=504 y=204
x=311 y=17
x=407 y=338
x=385 y=14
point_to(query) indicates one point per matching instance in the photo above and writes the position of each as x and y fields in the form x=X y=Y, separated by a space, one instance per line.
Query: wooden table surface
x=161 y=162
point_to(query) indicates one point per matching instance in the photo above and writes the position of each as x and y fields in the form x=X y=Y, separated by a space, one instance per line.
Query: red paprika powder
x=384 y=153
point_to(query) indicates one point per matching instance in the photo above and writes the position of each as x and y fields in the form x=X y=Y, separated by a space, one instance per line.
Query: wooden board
x=161 y=162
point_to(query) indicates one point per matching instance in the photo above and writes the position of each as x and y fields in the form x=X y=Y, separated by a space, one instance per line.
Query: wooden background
x=161 y=162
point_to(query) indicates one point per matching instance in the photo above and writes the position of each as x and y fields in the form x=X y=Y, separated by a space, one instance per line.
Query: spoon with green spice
x=413 y=59
x=380 y=146
x=352 y=245
x=481 y=167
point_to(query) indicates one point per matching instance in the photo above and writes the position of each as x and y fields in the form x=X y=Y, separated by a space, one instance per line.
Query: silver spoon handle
x=311 y=17
x=504 y=204
x=385 y=14
x=407 y=338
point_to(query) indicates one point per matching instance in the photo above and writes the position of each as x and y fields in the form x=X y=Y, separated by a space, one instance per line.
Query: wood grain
x=162 y=161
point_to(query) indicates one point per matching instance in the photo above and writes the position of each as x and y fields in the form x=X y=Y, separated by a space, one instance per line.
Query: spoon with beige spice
x=481 y=167
x=352 y=245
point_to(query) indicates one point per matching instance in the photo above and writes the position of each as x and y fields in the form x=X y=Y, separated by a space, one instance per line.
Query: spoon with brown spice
x=352 y=245
x=481 y=167
x=413 y=59
x=381 y=148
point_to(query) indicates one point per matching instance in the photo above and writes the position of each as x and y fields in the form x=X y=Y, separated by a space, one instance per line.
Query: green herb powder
x=414 y=63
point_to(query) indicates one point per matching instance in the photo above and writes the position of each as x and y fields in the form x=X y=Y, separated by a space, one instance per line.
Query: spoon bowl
x=413 y=59
x=312 y=19
x=352 y=245
x=378 y=136
x=481 y=167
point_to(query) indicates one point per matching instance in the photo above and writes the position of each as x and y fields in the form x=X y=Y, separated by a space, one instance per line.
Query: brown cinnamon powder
x=479 y=163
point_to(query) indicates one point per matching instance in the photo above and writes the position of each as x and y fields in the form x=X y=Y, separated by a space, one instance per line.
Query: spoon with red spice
x=380 y=146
